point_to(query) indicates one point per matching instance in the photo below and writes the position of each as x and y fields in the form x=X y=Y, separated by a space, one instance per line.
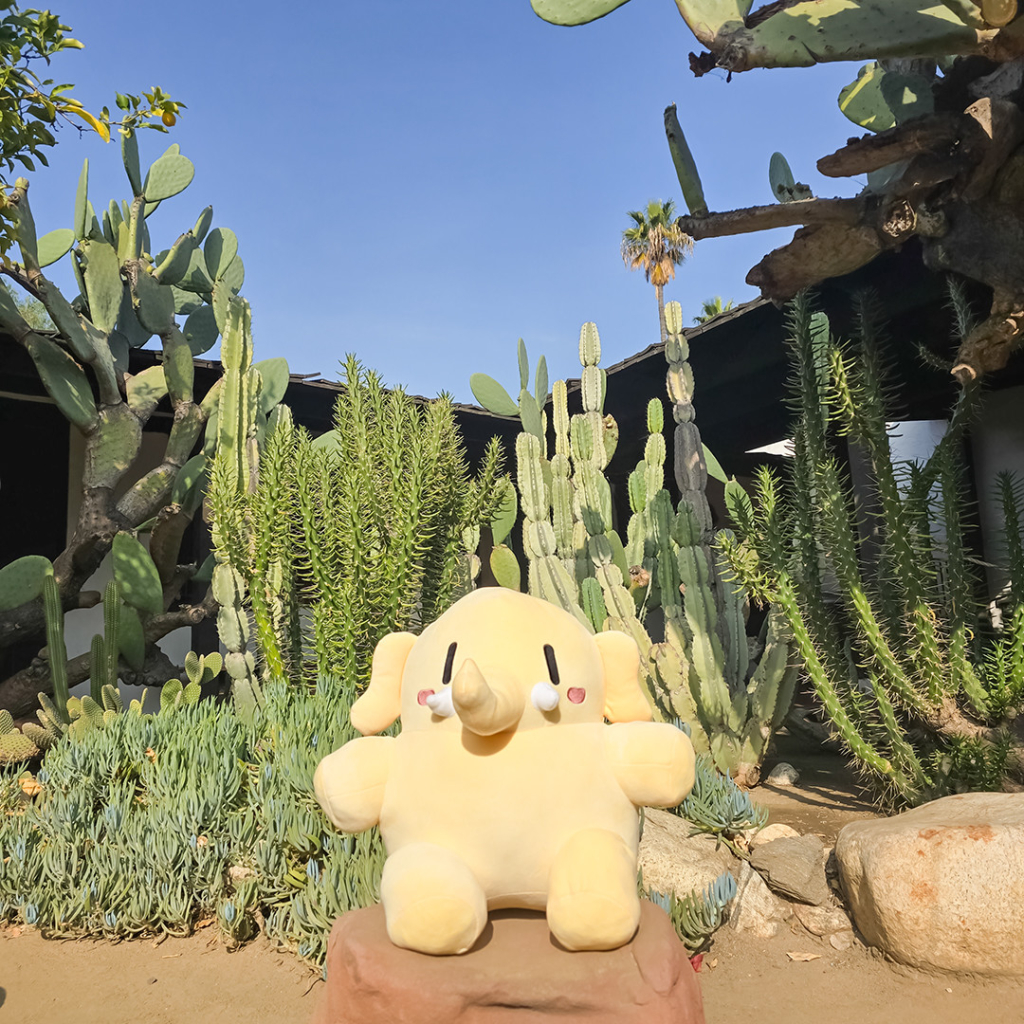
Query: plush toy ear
x=624 y=699
x=381 y=704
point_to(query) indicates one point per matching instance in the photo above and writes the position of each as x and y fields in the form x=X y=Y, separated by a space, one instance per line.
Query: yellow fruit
x=168 y=119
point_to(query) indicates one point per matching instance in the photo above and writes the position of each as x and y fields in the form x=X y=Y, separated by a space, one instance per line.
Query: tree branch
x=777 y=215
x=19 y=693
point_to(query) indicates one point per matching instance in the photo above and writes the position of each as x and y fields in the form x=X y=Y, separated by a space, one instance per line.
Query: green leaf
x=170 y=174
x=131 y=640
x=55 y=245
x=274 y=374
x=524 y=367
x=200 y=330
x=81 y=202
x=136 y=575
x=145 y=390
x=65 y=381
x=504 y=517
x=908 y=96
x=130 y=156
x=574 y=12
x=529 y=413
x=505 y=567
x=863 y=103
x=154 y=304
x=541 y=387
x=781 y=179
x=170 y=695
x=22 y=580
x=203 y=224
x=492 y=396
x=103 y=285
x=714 y=466
x=329 y=441
x=188 y=476
x=220 y=249
x=234 y=276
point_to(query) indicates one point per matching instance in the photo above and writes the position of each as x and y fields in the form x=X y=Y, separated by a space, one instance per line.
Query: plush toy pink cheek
x=421 y=697
x=576 y=694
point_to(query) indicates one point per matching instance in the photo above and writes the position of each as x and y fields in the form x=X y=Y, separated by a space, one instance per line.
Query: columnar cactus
x=699 y=668
x=925 y=693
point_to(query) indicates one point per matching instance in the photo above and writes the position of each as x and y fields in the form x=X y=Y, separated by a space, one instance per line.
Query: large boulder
x=516 y=971
x=672 y=860
x=941 y=886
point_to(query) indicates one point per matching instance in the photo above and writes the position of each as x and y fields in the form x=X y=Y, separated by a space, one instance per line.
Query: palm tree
x=656 y=246
x=710 y=308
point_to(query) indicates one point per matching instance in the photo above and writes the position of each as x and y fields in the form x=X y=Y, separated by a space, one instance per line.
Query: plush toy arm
x=652 y=762
x=350 y=782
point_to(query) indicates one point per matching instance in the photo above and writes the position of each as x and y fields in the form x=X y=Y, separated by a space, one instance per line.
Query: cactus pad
x=22 y=580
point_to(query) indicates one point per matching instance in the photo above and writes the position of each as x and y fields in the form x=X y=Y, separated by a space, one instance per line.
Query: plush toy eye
x=549 y=657
x=448 y=662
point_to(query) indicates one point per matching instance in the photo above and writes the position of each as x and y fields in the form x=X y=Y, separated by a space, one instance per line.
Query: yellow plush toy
x=506 y=788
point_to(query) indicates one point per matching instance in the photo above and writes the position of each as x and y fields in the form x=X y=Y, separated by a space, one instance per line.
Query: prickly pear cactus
x=130 y=292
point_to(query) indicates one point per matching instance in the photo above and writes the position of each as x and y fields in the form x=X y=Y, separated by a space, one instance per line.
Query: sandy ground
x=185 y=981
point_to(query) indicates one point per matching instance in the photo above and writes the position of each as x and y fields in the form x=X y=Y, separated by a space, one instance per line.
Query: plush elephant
x=506 y=788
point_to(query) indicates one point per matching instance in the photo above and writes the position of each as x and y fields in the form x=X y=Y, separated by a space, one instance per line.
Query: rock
x=841 y=940
x=772 y=832
x=941 y=886
x=671 y=860
x=823 y=920
x=514 y=972
x=783 y=774
x=754 y=909
x=794 y=866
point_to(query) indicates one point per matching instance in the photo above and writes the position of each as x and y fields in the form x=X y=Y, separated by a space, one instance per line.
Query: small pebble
x=152 y=981
x=783 y=774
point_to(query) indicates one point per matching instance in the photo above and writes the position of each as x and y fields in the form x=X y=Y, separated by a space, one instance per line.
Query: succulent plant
x=699 y=668
x=129 y=293
x=149 y=823
x=924 y=691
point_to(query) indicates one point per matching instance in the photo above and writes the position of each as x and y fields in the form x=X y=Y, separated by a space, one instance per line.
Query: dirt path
x=191 y=981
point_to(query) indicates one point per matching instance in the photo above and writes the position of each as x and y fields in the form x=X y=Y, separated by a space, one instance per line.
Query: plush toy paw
x=432 y=902
x=592 y=898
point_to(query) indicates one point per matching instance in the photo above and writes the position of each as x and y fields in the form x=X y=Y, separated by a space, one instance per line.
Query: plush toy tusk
x=481 y=708
x=544 y=697
x=441 y=703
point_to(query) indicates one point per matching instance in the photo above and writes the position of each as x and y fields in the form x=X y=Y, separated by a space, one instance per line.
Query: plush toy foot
x=592 y=898
x=432 y=901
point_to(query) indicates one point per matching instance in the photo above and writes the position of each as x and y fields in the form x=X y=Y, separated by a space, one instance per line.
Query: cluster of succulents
x=154 y=823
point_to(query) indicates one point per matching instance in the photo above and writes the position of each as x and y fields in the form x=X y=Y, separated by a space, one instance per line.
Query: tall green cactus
x=923 y=690
x=129 y=292
x=694 y=647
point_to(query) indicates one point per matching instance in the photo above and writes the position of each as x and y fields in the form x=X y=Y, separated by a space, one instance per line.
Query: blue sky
x=424 y=183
